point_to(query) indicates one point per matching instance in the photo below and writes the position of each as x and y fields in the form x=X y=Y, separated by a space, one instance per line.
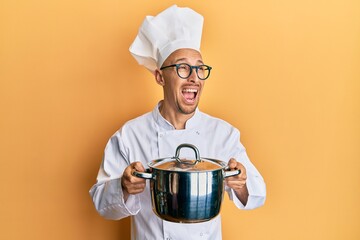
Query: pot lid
x=183 y=164
x=186 y=165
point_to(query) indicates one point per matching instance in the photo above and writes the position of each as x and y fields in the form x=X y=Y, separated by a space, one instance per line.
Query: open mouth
x=189 y=94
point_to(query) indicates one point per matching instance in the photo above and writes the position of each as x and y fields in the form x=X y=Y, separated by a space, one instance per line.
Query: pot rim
x=221 y=164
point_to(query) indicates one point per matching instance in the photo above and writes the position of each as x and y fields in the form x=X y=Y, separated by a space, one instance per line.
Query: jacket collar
x=167 y=126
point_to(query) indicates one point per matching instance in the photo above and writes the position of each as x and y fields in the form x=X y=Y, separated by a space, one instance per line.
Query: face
x=181 y=95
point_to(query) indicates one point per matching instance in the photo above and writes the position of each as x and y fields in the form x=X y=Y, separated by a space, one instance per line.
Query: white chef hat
x=159 y=36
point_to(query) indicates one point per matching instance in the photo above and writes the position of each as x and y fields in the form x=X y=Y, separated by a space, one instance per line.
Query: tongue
x=189 y=95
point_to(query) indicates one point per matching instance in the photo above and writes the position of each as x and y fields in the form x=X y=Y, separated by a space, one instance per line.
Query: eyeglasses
x=184 y=70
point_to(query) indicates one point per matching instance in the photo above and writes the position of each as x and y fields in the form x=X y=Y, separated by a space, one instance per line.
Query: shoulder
x=137 y=124
x=215 y=122
x=138 y=121
x=133 y=129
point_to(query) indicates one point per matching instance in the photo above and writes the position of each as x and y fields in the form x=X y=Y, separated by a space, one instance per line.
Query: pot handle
x=231 y=173
x=146 y=175
x=187 y=145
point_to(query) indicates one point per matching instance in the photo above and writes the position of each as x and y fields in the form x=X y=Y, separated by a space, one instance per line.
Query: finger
x=136 y=180
x=136 y=186
x=135 y=191
x=133 y=184
x=236 y=184
x=138 y=166
x=243 y=175
x=243 y=172
x=242 y=169
x=240 y=166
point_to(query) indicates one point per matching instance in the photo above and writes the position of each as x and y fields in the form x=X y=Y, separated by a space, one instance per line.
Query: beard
x=186 y=109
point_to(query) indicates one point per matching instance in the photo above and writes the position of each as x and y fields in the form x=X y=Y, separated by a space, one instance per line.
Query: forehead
x=185 y=55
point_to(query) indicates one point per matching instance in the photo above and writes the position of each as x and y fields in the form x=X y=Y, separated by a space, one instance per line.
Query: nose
x=193 y=76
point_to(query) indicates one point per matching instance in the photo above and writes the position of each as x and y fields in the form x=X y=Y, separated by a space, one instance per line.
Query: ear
x=159 y=78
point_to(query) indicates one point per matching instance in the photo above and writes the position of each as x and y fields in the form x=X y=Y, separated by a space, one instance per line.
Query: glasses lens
x=183 y=70
x=203 y=72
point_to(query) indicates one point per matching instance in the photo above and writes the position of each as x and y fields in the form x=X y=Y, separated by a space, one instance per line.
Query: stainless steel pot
x=187 y=191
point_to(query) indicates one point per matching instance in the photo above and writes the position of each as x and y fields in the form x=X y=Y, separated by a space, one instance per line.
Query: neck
x=173 y=116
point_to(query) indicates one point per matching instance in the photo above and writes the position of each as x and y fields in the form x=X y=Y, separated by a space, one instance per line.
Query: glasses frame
x=191 y=69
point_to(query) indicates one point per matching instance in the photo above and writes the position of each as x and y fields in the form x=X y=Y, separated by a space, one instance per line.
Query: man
x=169 y=46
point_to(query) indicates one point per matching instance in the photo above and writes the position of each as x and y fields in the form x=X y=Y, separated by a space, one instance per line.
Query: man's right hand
x=130 y=183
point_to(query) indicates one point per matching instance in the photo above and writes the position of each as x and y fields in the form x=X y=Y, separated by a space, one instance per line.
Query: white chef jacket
x=150 y=137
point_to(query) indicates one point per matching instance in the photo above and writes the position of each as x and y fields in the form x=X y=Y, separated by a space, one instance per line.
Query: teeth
x=189 y=90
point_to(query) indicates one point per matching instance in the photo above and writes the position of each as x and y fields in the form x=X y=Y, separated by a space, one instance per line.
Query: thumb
x=232 y=163
x=138 y=166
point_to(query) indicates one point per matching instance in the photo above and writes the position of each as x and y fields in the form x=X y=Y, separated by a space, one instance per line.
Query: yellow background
x=286 y=73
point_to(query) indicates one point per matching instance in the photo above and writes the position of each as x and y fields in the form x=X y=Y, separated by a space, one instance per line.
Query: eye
x=183 y=68
x=202 y=68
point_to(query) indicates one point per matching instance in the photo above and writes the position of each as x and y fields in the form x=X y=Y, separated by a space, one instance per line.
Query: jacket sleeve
x=255 y=182
x=107 y=194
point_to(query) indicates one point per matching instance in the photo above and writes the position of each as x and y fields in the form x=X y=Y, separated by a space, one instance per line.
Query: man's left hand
x=238 y=182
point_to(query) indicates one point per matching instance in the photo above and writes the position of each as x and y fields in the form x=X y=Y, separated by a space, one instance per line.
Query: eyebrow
x=185 y=59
